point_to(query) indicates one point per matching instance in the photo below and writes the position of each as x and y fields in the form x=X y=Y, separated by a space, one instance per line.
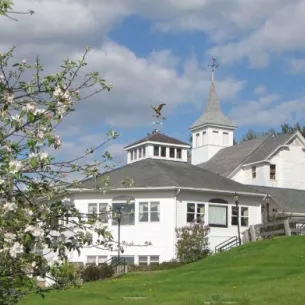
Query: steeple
x=213 y=130
x=213 y=114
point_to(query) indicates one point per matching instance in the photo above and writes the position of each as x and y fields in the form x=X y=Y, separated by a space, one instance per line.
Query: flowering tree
x=33 y=214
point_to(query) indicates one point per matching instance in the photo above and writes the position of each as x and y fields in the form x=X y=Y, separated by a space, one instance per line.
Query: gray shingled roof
x=213 y=113
x=289 y=200
x=229 y=158
x=162 y=173
x=158 y=137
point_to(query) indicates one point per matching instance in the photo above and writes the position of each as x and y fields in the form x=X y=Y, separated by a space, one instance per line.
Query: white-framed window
x=143 y=151
x=225 y=138
x=272 y=171
x=149 y=211
x=91 y=259
x=129 y=260
x=179 y=153
x=204 y=135
x=131 y=155
x=100 y=209
x=195 y=212
x=140 y=152
x=96 y=259
x=215 y=137
x=218 y=213
x=145 y=260
x=134 y=154
x=243 y=216
x=197 y=139
x=172 y=152
x=156 y=151
x=127 y=213
x=253 y=170
x=163 y=151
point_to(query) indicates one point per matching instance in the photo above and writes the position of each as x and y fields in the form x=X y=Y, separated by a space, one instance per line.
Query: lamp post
x=237 y=207
x=268 y=206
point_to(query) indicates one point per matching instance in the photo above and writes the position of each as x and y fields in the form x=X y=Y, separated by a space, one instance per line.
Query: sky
x=158 y=51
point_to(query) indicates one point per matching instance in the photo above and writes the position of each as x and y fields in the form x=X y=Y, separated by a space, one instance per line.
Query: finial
x=214 y=65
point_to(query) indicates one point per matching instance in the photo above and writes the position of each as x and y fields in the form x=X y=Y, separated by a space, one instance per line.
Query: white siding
x=160 y=234
x=218 y=235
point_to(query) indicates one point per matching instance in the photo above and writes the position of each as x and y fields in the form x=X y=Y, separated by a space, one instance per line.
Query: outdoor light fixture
x=236 y=197
x=268 y=199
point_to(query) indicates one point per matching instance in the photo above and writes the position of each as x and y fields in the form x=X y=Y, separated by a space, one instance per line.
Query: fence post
x=287 y=227
x=252 y=233
x=246 y=237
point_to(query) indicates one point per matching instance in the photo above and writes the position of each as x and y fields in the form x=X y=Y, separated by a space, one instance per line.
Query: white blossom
x=15 y=166
x=9 y=237
x=29 y=107
x=9 y=98
x=1 y=78
x=35 y=231
x=15 y=249
x=23 y=61
x=16 y=118
x=57 y=142
x=40 y=135
x=2 y=181
x=7 y=148
x=9 y=206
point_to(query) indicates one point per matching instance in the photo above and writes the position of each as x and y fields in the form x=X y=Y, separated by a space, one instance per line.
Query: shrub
x=192 y=244
x=156 y=267
x=94 y=273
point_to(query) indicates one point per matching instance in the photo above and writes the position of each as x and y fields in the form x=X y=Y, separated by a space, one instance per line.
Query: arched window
x=218 y=213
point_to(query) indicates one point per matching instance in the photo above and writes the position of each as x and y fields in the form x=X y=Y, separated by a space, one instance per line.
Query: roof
x=228 y=159
x=213 y=114
x=158 y=137
x=289 y=200
x=164 y=173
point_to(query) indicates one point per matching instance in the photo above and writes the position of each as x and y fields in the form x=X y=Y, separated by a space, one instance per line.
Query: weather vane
x=158 y=114
x=214 y=65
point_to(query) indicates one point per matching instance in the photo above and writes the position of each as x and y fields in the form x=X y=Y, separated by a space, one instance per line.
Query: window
x=215 y=137
x=272 y=171
x=204 y=134
x=225 y=139
x=103 y=214
x=148 y=260
x=179 y=153
x=128 y=259
x=172 y=152
x=253 y=172
x=140 y=152
x=244 y=217
x=92 y=209
x=91 y=260
x=143 y=151
x=197 y=139
x=163 y=151
x=218 y=215
x=127 y=211
x=134 y=154
x=154 y=260
x=156 y=151
x=101 y=259
x=234 y=216
x=149 y=211
x=143 y=260
x=195 y=212
x=131 y=155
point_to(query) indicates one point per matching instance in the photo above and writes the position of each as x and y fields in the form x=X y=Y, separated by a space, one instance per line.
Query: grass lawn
x=266 y=272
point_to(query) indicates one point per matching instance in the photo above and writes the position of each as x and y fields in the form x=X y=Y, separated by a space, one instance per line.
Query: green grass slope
x=266 y=272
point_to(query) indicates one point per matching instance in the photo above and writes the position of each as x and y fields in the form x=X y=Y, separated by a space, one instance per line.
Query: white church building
x=171 y=191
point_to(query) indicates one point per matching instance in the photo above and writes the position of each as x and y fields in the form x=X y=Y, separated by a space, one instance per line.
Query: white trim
x=157 y=143
x=212 y=125
x=255 y=163
x=168 y=188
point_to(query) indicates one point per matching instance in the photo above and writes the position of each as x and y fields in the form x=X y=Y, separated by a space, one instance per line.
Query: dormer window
x=179 y=153
x=131 y=155
x=163 y=151
x=140 y=152
x=172 y=152
x=197 y=139
x=156 y=151
x=144 y=151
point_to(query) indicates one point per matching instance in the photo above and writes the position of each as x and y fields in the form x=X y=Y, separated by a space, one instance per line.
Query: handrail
x=227 y=242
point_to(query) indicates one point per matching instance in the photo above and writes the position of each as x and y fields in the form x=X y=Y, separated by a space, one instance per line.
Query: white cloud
x=260 y=90
x=296 y=65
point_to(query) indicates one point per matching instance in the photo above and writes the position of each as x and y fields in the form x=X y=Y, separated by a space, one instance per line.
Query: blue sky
x=158 y=51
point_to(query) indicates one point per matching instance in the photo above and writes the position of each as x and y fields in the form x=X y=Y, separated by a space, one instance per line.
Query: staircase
x=227 y=244
x=118 y=265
